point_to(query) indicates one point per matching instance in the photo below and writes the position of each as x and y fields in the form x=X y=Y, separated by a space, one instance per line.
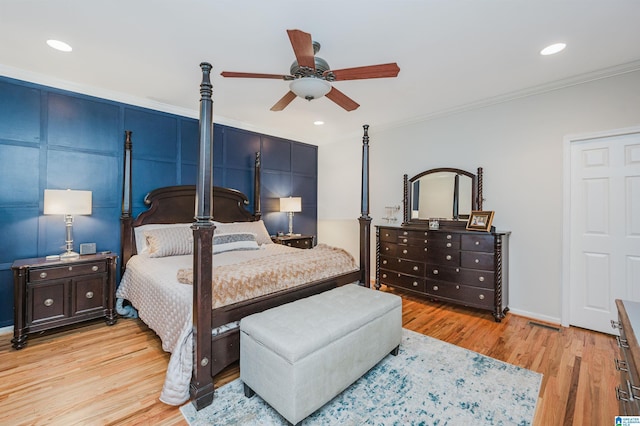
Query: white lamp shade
x=310 y=87
x=66 y=201
x=291 y=204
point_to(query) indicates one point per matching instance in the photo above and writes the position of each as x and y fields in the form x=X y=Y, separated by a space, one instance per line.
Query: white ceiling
x=452 y=54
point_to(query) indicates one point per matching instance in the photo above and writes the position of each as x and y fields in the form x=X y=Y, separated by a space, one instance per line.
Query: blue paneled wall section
x=56 y=139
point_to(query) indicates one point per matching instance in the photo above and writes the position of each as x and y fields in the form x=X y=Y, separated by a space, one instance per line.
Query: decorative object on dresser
x=67 y=203
x=297 y=241
x=52 y=294
x=628 y=393
x=449 y=263
x=480 y=221
x=291 y=205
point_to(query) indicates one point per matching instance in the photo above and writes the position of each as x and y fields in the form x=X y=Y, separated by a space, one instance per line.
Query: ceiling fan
x=311 y=76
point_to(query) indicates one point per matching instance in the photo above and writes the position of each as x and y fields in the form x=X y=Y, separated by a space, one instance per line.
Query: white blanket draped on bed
x=165 y=305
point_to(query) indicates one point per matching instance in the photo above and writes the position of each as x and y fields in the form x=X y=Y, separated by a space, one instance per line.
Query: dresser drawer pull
x=89 y=295
x=621 y=395
x=426 y=241
x=449 y=237
x=384 y=275
x=622 y=343
x=481 y=297
x=43 y=275
x=415 y=283
x=94 y=268
x=405 y=233
x=448 y=257
x=481 y=279
x=457 y=269
x=70 y=268
x=426 y=249
x=386 y=235
x=386 y=248
x=404 y=251
x=435 y=272
x=477 y=243
x=426 y=233
x=457 y=287
x=435 y=287
x=404 y=240
x=615 y=324
x=48 y=302
x=448 y=244
x=415 y=268
x=384 y=262
x=306 y=242
x=621 y=365
x=477 y=260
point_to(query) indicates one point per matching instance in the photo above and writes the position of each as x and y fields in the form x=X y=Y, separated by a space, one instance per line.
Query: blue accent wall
x=55 y=139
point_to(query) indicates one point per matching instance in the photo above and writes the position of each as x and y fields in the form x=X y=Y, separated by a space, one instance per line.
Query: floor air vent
x=550 y=327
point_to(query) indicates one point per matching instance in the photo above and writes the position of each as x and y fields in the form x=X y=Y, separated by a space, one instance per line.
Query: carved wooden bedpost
x=126 y=239
x=256 y=187
x=201 y=390
x=365 y=219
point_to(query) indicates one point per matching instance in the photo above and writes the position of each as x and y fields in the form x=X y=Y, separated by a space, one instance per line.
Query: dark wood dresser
x=628 y=392
x=52 y=294
x=452 y=265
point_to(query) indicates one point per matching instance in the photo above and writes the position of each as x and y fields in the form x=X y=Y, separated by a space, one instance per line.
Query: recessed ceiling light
x=59 y=45
x=318 y=122
x=553 y=49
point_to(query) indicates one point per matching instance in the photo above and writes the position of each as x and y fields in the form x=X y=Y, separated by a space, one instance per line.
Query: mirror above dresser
x=447 y=194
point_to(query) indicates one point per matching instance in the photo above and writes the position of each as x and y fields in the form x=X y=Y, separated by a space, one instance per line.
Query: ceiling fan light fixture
x=310 y=87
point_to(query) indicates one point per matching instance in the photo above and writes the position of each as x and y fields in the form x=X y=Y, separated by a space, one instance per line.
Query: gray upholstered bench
x=299 y=356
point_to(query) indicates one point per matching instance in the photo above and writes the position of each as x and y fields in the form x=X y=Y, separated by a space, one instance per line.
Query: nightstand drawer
x=48 y=302
x=40 y=274
x=88 y=294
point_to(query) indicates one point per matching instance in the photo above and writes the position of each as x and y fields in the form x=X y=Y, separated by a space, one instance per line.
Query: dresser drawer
x=479 y=297
x=402 y=265
x=411 y=252
x=413 y=234
x=468 y=277
x=477 y=260
x=395 y=279
x=442 y=243
x=389 y=235
x=41 y=274
x=477 y=242
x=388 y=249
x=444 y=257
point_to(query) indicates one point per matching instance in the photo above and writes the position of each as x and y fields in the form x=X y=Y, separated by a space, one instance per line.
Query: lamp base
x=69 y=255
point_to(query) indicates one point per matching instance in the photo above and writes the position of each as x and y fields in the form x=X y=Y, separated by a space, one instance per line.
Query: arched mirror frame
x=476 y=196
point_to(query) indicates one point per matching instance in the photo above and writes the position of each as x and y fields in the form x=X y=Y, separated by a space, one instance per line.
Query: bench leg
x=248 y=392
x=395 y=351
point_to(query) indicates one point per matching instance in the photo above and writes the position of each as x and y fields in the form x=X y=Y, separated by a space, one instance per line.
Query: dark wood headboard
x=176 y=204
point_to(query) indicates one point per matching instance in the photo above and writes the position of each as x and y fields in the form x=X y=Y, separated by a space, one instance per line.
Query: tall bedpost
x=256 y=187
x=365 y=219
x=201 y=389
x=126 y=232
x=480 y=177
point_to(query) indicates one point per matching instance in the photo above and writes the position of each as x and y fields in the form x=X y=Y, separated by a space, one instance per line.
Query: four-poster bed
x=210 y=342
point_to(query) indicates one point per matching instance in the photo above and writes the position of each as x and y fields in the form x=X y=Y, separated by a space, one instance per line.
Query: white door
x=604 y=228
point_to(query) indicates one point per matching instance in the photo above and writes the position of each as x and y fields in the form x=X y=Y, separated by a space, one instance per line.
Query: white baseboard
x=6 y=330
x=536 y=316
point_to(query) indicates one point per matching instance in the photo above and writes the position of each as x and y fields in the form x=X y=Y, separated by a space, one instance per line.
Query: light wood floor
x=113 y=375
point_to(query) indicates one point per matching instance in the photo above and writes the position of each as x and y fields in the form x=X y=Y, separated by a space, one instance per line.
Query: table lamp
x=68 y=203
x=291 y=205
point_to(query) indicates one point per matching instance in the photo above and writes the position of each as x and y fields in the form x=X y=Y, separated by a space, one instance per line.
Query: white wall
x=520 y=146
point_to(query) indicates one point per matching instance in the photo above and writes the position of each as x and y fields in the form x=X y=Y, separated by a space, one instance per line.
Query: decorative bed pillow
x=173 y=241
x=234 y=241
x=141 y=240
x=257 y=228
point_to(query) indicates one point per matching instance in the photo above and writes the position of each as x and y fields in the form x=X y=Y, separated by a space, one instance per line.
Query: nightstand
x=52 y=294
x=297 y=241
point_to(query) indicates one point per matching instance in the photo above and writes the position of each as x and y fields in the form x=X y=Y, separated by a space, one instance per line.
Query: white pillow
x=257 y=228
x=174 y=241
x=141 y=241
x=234 y=241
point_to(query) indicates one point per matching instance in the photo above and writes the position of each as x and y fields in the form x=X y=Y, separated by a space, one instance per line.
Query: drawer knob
x=481 y=297
x=448 y=244
x=404 y=251
x=43 y=275
x=386 y=235
x=426 y=249
x=435 y=272
x=89 y=295
x=426 y=233
x=289 y=244
x=448 y=257
x=94 y=268
x=415 y=268
x=426 y=241
x=477 y=243
x=481 y=279
x=70 y=268
x=415 y=283
x=306 y=243
x=435 y=287
x=386 y=248
x=477 y=260
x=48 y=302
x=404 y=240
x=384 y=262
x=384 y=275
x=449 y=237
x=457 y=287
x=405 y=233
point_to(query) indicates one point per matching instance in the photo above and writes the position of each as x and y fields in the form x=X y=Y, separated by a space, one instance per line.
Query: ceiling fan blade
x=255 y=75
x=361 y=73
x=303 y=48
x=284 y=101
x=341 y=99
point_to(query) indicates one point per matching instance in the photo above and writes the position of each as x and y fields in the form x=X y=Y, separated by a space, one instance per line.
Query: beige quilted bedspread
x=264 y=275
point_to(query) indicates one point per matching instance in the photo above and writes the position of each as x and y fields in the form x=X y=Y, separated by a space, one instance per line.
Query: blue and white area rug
x=430 y=382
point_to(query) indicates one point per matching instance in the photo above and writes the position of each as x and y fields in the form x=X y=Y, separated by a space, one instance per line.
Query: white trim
x=566 y=209
x=535 y=316
x=6 y=330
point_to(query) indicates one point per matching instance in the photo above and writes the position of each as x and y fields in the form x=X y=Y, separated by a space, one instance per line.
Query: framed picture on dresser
x=480 y=220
